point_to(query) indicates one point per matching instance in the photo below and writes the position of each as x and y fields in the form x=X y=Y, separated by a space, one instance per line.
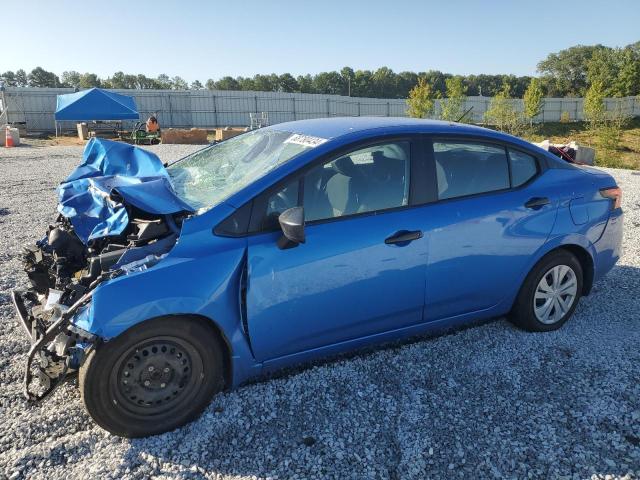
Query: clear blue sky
x=207 y=39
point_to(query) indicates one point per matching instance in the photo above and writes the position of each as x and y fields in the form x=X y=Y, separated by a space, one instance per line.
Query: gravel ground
x=484 y=402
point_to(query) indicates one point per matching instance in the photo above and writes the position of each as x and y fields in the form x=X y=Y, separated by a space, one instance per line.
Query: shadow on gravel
x=487 y=401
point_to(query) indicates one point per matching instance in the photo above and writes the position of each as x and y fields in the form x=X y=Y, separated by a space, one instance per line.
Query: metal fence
x=220 y=108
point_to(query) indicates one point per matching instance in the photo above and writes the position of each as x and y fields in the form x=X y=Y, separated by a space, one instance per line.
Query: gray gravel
x=484 y=402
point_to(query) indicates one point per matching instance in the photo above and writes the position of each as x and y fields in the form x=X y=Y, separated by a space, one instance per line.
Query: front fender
x=197 y=278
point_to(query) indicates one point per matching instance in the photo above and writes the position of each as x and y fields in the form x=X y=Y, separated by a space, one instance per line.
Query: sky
x=210 y=39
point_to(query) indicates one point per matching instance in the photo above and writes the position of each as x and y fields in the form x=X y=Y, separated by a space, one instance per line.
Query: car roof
x=330 y=128
x=337 y=127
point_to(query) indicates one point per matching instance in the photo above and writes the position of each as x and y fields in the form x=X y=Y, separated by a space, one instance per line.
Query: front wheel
x=153 y=378
x=550 y=293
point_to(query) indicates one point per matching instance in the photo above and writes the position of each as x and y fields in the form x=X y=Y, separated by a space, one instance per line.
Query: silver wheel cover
x=555 y=294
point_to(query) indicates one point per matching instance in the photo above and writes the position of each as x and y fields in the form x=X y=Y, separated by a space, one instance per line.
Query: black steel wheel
x=154 y=377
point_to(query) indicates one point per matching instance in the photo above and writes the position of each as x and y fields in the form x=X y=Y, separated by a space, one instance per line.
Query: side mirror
x=292 y=225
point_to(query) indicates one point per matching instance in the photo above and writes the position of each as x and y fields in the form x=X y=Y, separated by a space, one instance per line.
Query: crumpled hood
x=112 y=176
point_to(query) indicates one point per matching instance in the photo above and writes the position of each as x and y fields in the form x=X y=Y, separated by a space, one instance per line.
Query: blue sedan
x=161 y=285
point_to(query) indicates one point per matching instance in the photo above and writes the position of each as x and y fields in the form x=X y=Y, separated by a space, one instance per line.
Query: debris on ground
x=571 y=152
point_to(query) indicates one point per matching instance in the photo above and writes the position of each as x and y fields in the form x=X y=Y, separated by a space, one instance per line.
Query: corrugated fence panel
x=374 y=109
x=219 y=108
x=203 y=110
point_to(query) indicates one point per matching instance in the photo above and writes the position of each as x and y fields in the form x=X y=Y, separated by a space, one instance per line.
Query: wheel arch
x=578 y=247
x=586 y=262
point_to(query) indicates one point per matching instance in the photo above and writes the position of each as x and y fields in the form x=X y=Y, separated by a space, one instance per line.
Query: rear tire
x=153 y=378
x=549 y=294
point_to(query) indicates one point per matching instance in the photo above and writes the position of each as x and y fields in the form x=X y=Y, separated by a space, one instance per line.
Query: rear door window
x=468 y=168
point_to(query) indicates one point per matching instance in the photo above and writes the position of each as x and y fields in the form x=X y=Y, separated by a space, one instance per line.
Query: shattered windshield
x=213 y=174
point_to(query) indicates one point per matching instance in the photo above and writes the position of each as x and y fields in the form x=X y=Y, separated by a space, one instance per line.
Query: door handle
x=537 y=203
x=403 y=236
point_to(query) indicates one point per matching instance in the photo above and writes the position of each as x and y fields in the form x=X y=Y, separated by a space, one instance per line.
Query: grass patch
x=626 y=155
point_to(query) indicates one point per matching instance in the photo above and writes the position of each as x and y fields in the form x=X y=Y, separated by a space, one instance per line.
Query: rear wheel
x=153 y=378
x=549 y=294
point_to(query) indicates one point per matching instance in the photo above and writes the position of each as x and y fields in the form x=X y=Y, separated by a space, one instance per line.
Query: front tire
x=549 y=294
x=153 y=378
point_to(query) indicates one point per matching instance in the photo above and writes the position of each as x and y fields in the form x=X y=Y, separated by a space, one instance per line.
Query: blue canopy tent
x=95 y=104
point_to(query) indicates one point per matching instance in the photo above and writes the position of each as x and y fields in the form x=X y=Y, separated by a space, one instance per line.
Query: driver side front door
x=351 y=278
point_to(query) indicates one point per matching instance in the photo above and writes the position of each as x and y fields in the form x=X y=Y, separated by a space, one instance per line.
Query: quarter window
x=523 y=167
x=365 y=180
x=465 y=168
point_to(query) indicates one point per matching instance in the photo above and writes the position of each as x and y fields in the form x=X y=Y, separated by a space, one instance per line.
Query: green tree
x=287 y=83
x=565 y=72
x=437 y=80
x=70 y=79
x=519 y=85
x=348 y=78
x=21 y=78
x=604 y=68
x=134 y=81
x=225 y=83
x=594 y=106
x=330 y=83
x=246 y=83
x=264 y=83
x=617 y=70
x=629 y=74
x=117 y=80
x=605 y=126
x=533 y=100
x=89 y=80
x=384 y=83
x=453 y=104
x=405 y=81
x=8 y=78
x=164 y=81
x=179 y=83
x=142 y=82
x=196 y=85
x=502 y=114
x=39 y=77
x=362 y=84
x=305 y=83
x=421 y=100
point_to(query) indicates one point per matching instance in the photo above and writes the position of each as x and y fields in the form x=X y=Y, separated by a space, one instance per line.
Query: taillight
x=614 y=194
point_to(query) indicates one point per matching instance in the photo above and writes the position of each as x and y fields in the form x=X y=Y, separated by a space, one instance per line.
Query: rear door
x=361 y=270
x=492 y=213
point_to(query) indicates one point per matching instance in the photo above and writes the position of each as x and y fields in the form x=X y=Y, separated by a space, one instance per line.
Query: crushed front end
x=105 y=229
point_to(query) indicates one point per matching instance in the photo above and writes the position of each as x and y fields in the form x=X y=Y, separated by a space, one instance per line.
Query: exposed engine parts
x=63 y=272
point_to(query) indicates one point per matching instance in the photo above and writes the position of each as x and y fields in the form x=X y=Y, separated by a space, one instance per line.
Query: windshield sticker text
x=305 y=140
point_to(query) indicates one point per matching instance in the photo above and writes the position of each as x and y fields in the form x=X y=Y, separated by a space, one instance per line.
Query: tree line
x=567 y=73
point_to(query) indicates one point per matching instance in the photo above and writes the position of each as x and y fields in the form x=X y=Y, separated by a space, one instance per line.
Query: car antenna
x=464 y=114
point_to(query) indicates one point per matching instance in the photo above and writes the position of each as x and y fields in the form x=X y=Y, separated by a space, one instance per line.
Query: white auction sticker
x=305 y=140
